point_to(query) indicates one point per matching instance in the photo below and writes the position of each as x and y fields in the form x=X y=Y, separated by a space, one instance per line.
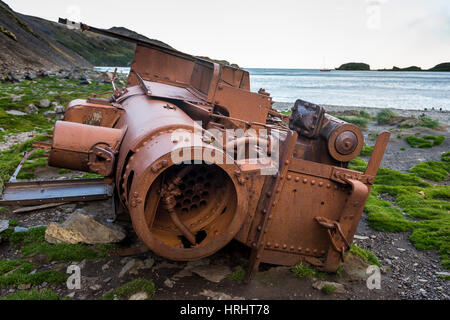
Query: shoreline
x=442 y=116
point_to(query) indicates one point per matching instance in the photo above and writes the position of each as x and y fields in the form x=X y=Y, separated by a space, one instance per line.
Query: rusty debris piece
x=198 y=160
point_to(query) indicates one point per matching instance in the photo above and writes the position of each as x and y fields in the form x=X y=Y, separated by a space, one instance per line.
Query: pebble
x=45 y=103
x=16 y=113
x=169 y=283
x=95 y=287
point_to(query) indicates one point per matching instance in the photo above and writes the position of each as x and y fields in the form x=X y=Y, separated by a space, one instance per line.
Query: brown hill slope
x=31 y=42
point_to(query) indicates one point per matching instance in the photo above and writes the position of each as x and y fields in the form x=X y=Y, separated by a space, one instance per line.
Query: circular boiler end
x=189 y=211
x=346 y=142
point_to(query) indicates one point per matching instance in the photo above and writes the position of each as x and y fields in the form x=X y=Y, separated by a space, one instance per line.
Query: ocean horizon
x=373 y=89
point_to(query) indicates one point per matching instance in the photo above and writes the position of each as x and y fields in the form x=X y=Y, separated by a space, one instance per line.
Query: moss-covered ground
x=419 y=207
x=425 y=142
x=32 y=92
x=125 y=291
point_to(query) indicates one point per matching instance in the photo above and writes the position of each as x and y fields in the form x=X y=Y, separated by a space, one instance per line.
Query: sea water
x=378 y=89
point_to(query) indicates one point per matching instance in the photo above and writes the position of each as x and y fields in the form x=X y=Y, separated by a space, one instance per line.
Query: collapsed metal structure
x=306 y=208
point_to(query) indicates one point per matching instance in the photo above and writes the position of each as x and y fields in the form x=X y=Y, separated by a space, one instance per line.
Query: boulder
x=45 y=103
x=81 y=228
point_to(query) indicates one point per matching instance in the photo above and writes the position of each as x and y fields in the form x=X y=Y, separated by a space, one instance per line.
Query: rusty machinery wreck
x=305 y=208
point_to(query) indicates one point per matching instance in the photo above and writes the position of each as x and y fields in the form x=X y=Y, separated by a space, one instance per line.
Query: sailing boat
x=324 y=69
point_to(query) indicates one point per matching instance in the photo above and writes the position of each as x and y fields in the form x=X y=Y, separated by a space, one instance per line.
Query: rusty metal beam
x=40 y=192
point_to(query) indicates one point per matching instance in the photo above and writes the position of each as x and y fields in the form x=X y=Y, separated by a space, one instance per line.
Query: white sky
x=276 y=33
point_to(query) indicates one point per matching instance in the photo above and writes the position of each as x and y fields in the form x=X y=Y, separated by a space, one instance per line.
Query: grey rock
x=85 y=81
x=131 y=267
x=213 y=273
x=50 y=114
x=45 y=103
x=59 y=109
x=17 y=98
x=4 y=224
x=20 y=229
x=169 y=283
x=16 y=113
x=24 y=286
x=29 y=76
x=139 y=296
x=31 y=109
x=213 y=295
x=320 y=284
x=81 y=228
x=95 y=287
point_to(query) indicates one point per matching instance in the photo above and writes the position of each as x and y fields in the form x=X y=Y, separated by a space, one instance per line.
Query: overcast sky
x=276 y=33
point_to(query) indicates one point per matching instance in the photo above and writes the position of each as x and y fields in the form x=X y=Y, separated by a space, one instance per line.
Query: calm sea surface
x=379 y=89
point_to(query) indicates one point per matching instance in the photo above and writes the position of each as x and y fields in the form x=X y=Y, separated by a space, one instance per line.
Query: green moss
x=8 y=265
x=366 y=255
x=403 y=148
x=445 y=156
x=365 y=114
x=385 y=116
x=13 y=223
x=45 y=294
x=305 y=271
x=358 y=121
x=8 y=33
x=237 y=275
x=64 y=171
x=429 y=207
x=366 y=151
x=128 y=289
x=425 y=209
x=33 y=242
x=10 y=159
x=428 y=122
x=328 y=289
x=425 y=142
x=432 y=170
x=17 y=272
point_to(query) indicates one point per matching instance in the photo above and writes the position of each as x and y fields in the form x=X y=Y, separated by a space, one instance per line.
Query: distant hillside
x=442 y=67
x=31 y=42
x=354 y=66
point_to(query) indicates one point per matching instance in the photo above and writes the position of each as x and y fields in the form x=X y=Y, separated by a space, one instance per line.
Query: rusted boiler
x=197 y=160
